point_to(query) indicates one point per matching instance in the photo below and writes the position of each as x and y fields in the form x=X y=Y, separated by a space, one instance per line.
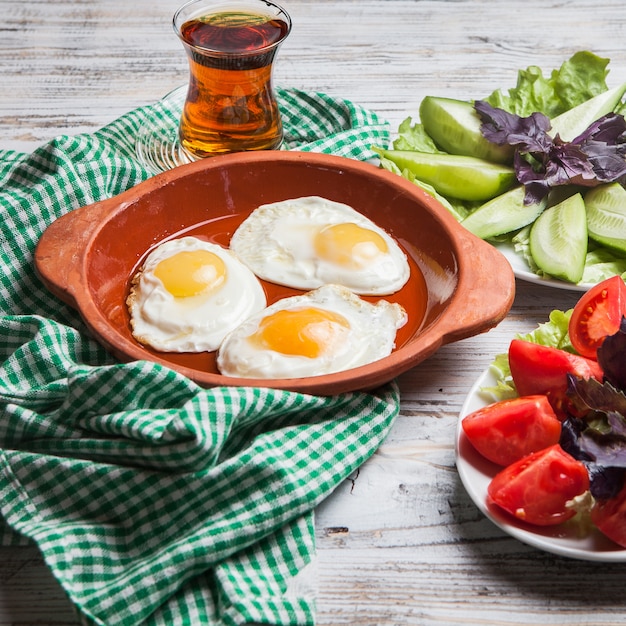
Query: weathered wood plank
x=400 y=543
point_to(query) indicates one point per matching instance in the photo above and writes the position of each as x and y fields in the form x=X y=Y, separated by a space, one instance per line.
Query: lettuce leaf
x=579 y=78
x=532 y=93
x=414 y=137
x=554 y=332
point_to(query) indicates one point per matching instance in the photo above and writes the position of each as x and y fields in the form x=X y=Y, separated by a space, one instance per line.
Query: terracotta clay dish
x=459 y=286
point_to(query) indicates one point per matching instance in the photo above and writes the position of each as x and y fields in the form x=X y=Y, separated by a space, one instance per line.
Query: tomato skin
x=597 y=315
x=506 y=431
x=609 y=516
x=537 y=488
x=538 y=369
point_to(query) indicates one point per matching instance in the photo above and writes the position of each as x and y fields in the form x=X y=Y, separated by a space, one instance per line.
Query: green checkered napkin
x=155 y=501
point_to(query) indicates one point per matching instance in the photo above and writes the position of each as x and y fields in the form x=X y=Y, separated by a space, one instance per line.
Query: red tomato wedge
x=540 y=369
x=609 y=516
x=506 y=431
x=537 y=488
x=597 y=315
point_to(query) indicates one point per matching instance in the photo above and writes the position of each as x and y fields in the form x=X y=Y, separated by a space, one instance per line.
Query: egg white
x=371 y=336
x=195 y=323
x=277 y=242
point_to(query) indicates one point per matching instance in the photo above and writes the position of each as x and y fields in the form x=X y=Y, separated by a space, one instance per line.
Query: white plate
x=523 y=271
x=476 y=473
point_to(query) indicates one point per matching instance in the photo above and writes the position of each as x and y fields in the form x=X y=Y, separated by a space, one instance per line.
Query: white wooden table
x=400 y=543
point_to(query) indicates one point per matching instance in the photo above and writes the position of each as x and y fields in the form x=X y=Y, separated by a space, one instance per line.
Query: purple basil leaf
x=611 y=357
x=557 y=166
x=617 y=423
x=529 y=134
x=605 y=450
x=607 y=167
x=496 y=124
x=535 y=192
x=604 y=143
x=595 y=433
x=591 y=395
x=607 y=161
x=597 y=155
x=609 y=129
x=571 y=430
x=565 y=162
x=605 y=482
x=532 y=136
x=531 y=174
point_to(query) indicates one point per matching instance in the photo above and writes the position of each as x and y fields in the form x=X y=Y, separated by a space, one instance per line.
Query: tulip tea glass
x=230 y=104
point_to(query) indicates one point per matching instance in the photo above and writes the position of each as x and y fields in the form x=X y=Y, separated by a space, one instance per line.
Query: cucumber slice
x=558 y=239
x=454 y=125
x=503 y=214
x=572 y=123
x=462 y=177
x=606 y=215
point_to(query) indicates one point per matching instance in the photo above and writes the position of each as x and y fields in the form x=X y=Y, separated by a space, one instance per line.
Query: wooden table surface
x=401 y=542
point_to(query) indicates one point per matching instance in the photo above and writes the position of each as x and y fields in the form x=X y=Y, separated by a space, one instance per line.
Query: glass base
x=157 y=145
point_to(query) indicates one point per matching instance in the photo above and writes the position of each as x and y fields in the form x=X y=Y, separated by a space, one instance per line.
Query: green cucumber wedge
x=454 y=126
x=606 y=215
x=558 y=239
x=572 y=123
x=503 y=214
x=462 y=177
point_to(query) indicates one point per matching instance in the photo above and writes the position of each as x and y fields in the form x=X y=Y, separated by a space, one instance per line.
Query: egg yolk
x=191 y=272
x=349 y=245
x=307 y=332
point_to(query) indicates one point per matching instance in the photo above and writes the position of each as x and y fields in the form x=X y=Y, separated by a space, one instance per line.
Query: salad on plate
x=541 y=443
x=537 y=170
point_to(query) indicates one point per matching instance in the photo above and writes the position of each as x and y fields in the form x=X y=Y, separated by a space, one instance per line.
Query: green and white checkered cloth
x=155 y=501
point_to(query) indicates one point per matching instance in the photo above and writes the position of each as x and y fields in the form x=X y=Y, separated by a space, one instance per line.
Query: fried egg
x=307 y=242
x=189 y=294
x=327 y=330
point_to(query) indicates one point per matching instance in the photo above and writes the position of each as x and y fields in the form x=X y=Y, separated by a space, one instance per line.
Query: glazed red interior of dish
x=211 y=204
